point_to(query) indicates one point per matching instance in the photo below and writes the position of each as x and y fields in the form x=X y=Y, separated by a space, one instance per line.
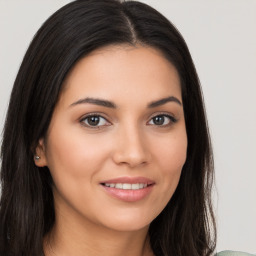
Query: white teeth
x=126 y=185
x=119 y=185
x=135 y=186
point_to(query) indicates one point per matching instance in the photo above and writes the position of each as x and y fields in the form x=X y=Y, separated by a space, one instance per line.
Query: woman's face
x=117 y=141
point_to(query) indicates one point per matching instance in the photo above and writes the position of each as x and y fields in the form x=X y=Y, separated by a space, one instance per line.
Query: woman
x=106 y=147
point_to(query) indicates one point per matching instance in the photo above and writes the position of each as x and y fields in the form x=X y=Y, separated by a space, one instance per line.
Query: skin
x=128 y=142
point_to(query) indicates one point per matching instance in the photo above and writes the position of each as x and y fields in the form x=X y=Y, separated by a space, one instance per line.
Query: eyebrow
x=110 y=104
x=163 y=101
x=100 y=102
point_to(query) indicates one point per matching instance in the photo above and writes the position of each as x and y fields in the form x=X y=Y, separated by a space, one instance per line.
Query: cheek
x=74 y=161
x=73 y=155
x=172 y=151
x=171 y=155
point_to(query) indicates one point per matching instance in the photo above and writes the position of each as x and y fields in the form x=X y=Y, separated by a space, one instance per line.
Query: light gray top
x=232 y=253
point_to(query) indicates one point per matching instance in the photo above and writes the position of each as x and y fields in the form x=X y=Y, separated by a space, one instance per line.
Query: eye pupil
x=93 y=120
x=158 y=120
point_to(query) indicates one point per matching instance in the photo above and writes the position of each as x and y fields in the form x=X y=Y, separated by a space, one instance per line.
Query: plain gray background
x=221 y=35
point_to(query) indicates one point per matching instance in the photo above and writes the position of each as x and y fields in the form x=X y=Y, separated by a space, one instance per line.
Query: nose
x=131 y=148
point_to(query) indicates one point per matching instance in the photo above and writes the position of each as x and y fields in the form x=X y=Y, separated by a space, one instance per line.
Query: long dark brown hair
x=186 y=226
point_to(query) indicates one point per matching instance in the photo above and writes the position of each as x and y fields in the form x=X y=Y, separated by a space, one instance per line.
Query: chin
x=128 y=226
x=128 y=221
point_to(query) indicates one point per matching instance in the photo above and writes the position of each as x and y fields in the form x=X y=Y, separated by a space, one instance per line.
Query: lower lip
x=128 y=195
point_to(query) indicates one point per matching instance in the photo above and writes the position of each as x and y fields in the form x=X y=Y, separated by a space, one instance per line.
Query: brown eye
x=94 y=121
x=162 y=120
x=159 y=120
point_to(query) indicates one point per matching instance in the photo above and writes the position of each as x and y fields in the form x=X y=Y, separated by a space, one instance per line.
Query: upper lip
x=130 y=180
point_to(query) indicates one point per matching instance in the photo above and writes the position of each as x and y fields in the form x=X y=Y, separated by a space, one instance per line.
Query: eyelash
x=98 y=115
x=172 y=119
x=83 y=121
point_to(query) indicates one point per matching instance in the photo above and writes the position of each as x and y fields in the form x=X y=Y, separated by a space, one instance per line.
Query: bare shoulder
x=232 y=253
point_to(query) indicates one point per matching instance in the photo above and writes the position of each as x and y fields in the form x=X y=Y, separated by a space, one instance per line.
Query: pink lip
x=129 y=195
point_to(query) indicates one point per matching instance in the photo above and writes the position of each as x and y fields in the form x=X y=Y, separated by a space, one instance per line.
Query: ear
x=40 y=154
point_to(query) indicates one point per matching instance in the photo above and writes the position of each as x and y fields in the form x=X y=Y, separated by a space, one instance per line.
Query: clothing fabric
x=232 y=253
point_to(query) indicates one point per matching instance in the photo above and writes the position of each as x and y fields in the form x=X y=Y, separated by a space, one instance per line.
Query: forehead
x=117 y=71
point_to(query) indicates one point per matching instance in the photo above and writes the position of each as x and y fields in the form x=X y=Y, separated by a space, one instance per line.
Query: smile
x=128 y=189
x=126 y=185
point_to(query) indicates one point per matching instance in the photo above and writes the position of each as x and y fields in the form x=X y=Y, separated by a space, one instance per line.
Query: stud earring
x=37 y=158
